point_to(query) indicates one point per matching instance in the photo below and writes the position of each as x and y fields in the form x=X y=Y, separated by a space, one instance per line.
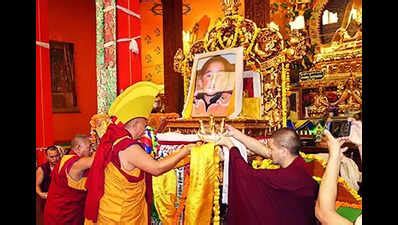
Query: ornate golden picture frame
x=216 y=84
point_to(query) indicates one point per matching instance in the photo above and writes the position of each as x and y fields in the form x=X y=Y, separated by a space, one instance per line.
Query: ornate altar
x=330 y=79
x=264 y=54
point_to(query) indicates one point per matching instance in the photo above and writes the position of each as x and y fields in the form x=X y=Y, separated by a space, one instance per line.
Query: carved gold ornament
x=263 y=53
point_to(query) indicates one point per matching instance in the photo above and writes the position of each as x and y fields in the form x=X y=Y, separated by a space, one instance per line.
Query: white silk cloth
x=243 y=153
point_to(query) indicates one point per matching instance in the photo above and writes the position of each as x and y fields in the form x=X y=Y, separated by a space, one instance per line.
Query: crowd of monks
x=110 y=183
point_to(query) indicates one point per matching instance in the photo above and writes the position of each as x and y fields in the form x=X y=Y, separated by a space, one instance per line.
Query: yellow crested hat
x=135 y=101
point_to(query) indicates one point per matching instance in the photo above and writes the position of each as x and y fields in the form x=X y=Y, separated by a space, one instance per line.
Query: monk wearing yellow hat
x=117 y=190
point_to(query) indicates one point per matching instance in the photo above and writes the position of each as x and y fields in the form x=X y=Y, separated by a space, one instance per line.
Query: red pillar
x=128 y=26
x=172 y=40
x=44 y=126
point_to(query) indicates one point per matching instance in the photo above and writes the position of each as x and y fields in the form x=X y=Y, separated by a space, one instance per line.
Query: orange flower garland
x=348 y=205
x=349 y=201
x=216 y=201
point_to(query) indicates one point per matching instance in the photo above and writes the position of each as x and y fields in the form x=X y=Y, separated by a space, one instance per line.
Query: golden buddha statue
x=321 y=104
x=350 y=99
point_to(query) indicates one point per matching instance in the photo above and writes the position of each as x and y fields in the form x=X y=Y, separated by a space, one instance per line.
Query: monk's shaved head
x=288 y=138
x=79 y=138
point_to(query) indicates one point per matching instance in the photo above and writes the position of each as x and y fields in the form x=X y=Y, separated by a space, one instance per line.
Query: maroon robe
x=40 y=203
x=45 y=184
x=64 y=205
x=283 y=196
x=105 y=154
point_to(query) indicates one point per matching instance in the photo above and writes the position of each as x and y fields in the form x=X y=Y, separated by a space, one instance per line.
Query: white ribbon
x=133 y=43
x=43 y=44
x=128 y=11
x=243 y=153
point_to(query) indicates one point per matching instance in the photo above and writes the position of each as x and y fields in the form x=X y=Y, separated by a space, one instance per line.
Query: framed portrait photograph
x=216 y=84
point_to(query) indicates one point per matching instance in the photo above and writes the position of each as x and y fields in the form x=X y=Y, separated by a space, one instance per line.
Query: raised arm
x=77 y=169
x=325 y=209
x=137 y=157
x=39 y=180
x=251 y=143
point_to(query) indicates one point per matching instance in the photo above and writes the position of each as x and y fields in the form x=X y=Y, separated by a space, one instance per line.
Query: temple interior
x=286 y=63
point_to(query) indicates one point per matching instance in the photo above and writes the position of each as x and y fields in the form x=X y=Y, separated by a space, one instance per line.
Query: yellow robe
x=200 y=192
x=123 y=202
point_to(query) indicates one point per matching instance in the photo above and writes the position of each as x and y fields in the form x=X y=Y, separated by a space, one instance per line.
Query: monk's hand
x=43 y=195
x=225 y=141
x=334 y=144
x=249 y=152
x=232 y=131
x=187 y=148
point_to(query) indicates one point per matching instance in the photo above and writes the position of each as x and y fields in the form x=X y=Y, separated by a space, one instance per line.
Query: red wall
x=74 y=21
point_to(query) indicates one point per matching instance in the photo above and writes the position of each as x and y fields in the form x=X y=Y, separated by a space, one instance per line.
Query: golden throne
x=337 y=56
x=264 y=53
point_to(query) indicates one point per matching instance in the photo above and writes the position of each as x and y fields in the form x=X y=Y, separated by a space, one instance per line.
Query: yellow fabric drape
x=123 y=203
x=199 y=202
x=186 y=113
x=165 y=196
x=78 y=185
x=231 y=106
x=251 y=108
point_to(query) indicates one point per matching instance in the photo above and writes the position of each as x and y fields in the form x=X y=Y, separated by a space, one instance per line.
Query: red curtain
x=128 y=26
x=44 y=127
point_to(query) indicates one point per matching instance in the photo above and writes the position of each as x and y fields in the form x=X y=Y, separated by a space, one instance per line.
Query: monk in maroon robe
x=66 y=195
x=284 y=196
x=43 y=179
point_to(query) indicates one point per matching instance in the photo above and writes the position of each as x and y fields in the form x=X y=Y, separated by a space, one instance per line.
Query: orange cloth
x=123 y=200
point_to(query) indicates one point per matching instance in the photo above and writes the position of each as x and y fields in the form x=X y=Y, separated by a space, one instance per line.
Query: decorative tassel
x=133 y=46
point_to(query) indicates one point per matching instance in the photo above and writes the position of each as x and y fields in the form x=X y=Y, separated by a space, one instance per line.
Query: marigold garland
x=310 y=157
x=353 y=193
x=216 y=200
x=348 y=205
x=264 y=164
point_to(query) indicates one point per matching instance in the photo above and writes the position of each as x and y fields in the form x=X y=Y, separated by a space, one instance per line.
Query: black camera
x=339 y=128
